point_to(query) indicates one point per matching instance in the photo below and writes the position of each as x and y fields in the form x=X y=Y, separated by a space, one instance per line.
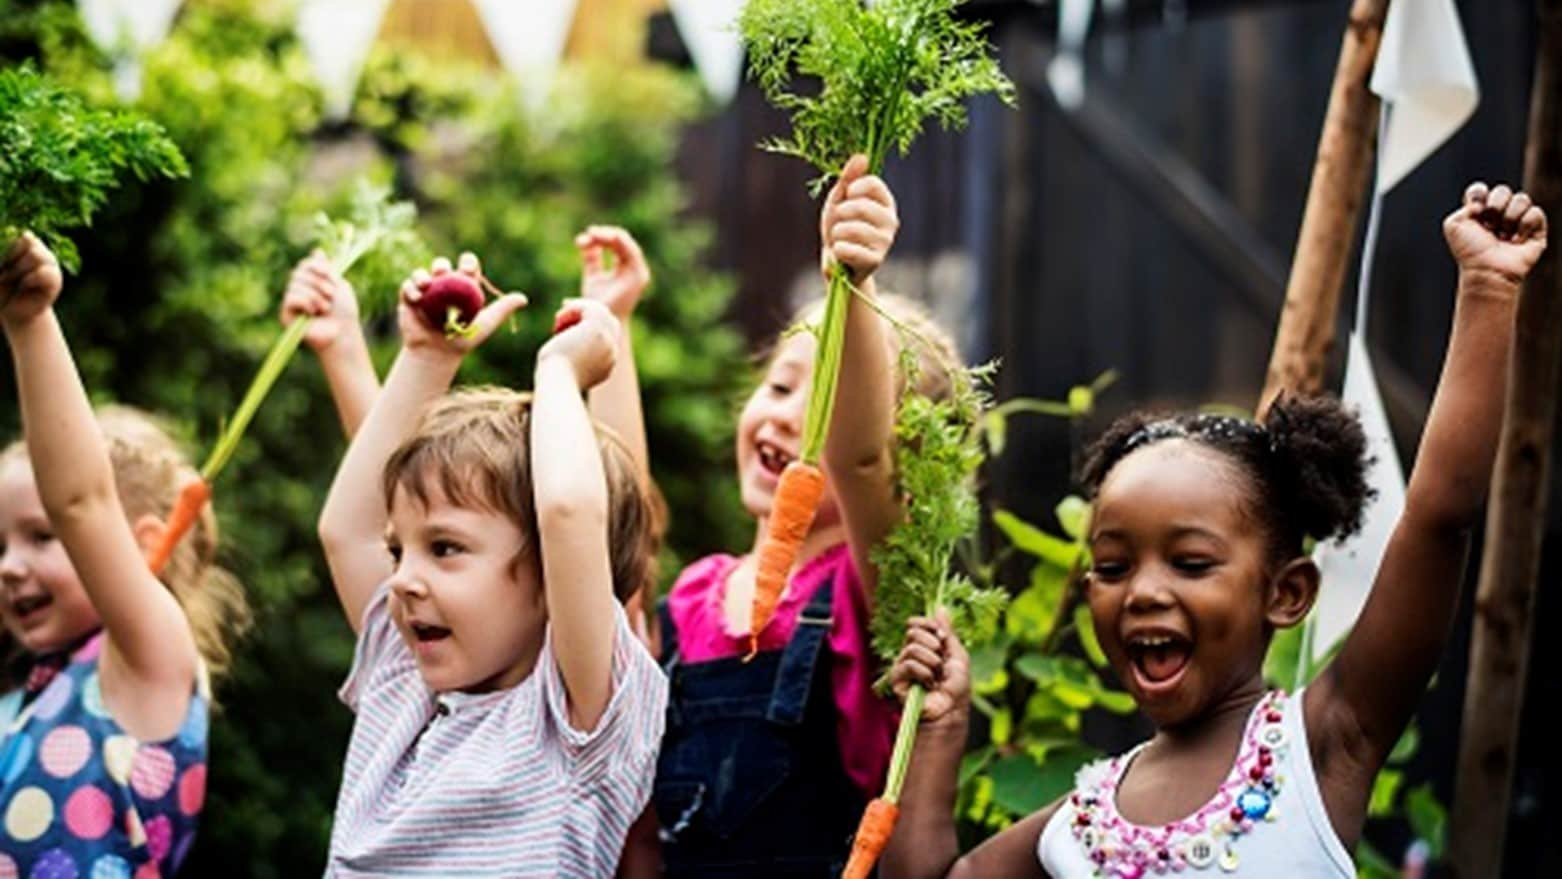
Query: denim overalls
x=750 y=782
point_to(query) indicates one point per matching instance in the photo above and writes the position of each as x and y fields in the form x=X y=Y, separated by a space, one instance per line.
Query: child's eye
x=1107 y=570
x=395 y=552
x=42 y=536
x=779 y=389
x=444 y=548
x=1194 y=565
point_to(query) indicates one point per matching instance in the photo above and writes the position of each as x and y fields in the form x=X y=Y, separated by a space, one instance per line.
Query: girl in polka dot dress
x=104 y=719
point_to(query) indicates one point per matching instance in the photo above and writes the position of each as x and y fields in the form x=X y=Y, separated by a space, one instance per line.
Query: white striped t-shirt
x=491 y=784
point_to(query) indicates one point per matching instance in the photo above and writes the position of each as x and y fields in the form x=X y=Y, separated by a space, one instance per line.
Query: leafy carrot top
x=59 y=158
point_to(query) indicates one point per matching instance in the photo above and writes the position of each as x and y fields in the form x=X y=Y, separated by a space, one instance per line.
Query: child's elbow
x=571 y=510
x=84 y=504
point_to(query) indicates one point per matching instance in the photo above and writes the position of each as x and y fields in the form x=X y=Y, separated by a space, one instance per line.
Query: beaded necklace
x=1121 y=849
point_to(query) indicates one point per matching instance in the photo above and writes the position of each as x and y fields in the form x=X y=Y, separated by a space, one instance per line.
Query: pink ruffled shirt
x=864 y=722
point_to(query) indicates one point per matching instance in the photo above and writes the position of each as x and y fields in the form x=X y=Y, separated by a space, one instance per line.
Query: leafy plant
x=59 y=158
x=1032 y=693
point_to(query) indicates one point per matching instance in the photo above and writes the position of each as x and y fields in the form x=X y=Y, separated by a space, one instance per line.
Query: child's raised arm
x=856 y=228
x=352 y=522
x=150 y=648
x=1362 y=701
x=924 y=843
x=616 y=401
x=316 y=292
x=570 y=485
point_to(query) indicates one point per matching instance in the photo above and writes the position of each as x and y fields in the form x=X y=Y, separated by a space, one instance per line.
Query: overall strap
x=794 y=677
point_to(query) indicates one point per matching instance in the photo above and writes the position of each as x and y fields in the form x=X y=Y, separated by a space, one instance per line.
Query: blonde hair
x=473 y=447
x=912 y=326
x=149 y=469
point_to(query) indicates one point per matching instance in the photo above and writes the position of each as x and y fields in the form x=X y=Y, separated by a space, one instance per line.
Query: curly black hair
x=1307 y=464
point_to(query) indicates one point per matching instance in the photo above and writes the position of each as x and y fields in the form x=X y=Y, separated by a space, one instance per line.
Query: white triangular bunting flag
x=529 y=39
x=1066 y=70
x=709 y=29
x=1424 y=72
x=125 y=30
x=1349 y=567
x=337 y=36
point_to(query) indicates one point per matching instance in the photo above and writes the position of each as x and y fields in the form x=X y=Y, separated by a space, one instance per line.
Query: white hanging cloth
x=529 y=39
x=336 y=36
x=126 y=30
x=709 y=30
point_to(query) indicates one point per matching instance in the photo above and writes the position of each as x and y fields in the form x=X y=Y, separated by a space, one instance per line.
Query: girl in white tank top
x=1197 y=557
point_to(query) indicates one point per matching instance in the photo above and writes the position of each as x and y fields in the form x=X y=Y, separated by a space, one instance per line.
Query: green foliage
x=375 y=245
x=178 y=300
x=884 y=70
x=938 y=451
x=1033 y=694
x=59 y=158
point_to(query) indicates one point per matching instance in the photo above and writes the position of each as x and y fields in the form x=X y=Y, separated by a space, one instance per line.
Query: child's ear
x=1292 y=593
x=149 y=532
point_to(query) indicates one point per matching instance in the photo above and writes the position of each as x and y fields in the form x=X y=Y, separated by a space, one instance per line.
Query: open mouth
x=772 y=457
x=1158 y=657
x=22 y=608
x=427 y=634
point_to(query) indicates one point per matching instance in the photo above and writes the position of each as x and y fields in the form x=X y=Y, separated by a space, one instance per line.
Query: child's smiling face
x=1178 y=586
x=465 y=594
x=770 y=428
x=42 y=602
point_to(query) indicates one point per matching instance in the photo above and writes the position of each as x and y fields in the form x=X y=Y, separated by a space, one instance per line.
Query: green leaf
x=1022 y=786
x=1001 y=728
x=988 y=674
x=1081 y=400
x=1370 y=864
x=1405 y=749
x=1073 y=514
x=1116 y=702
x=996 y=428
x=1032 y=613
x=1085 y=627
x=974 y=763
x=1385 y=790
x=1033 y=541
x=1428 y=818
x=1285 y=654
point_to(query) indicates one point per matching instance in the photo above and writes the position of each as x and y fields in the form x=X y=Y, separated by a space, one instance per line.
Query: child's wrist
x=550 y=364
x=1487 y=279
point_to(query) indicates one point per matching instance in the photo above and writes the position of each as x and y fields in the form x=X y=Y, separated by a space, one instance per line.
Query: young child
x=1197 y=558
x=315 y=291
x=103 y=739
x=767 y=763
x=508 y=718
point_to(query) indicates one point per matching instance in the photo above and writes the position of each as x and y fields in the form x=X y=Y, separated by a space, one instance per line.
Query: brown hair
x=149 y=469
x=472 y=447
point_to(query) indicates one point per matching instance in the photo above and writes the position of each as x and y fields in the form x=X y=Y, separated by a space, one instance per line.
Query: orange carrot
x=791 y=515
x=192 y=499
x=878 y=822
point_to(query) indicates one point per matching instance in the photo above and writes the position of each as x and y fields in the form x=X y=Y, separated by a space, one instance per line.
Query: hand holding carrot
x=426 y=291
x=30 y=280
x=934 y=658
x=858 y=222
x=316 y=291
x=620 y=285
x=587 y=339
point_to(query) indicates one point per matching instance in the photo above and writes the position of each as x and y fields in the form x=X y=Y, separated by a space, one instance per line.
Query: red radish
x=450 y=302
x=566 y=319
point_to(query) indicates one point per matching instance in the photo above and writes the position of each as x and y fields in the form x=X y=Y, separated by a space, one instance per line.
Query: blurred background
x=1136 y=213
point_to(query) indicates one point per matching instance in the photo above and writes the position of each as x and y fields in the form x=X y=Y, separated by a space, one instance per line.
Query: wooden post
x=1516 y=519
x=1340 y=177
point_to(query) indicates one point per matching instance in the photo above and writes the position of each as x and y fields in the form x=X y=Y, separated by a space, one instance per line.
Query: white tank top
x=1266 y=819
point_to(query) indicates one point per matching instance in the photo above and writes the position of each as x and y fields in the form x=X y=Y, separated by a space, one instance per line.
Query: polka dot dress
x=81 y=799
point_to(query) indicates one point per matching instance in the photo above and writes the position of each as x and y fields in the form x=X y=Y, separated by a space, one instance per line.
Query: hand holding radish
x=934 y=658
x=858 y=222
x=315 y=290
x=30 y=280
x=588 y=342
x=617 y=286
x=1497 y=231
x=433 y=300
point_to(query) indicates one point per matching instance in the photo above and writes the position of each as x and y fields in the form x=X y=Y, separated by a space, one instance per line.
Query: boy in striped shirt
x=507 y=718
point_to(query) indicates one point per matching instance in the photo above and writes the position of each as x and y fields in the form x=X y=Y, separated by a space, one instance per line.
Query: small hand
x=1496 y=231
x=416 y=332
x=618 y=287
x=588 y=343
x=858 y=223
x=316 y=291
x=934 y=658
x=30 y=280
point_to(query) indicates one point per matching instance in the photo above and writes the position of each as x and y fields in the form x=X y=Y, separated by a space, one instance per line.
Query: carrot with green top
x=885 y=68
